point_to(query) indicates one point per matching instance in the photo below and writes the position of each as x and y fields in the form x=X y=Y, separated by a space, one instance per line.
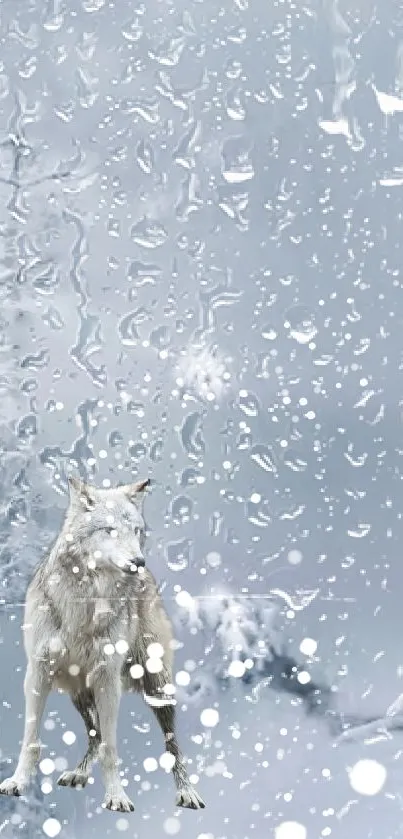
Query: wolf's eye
x=111 y=531
x=137 y=531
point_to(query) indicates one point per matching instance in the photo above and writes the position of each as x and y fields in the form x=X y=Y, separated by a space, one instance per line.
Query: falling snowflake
x=291 y=830
x=51 y=828
x=367 y=777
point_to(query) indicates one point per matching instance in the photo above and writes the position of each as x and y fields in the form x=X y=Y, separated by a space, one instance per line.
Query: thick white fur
x=89 y=592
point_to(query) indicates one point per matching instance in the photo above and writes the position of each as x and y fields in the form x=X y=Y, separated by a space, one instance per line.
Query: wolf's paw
x=74 y=778
x=188 y=797
x=119 y=802
x=12 y=786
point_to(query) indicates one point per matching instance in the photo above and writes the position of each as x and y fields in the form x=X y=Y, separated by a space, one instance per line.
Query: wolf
x=95 y=626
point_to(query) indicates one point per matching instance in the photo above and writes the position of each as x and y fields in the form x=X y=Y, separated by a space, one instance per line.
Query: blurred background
x=200 y=224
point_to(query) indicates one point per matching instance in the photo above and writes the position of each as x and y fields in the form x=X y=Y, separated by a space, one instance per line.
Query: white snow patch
x=336 y=126
x=388 y=104
x=184 y=599
x=47 y=787
x=51 y=827
x=55 y=644
x=209 y=717
x=236 y=669
x=290 y=830
x=367 y=777
x=213 y=559
x=159 y=701
x=303 y=677
x=47 y=766
x=391 y=181
x=203 y=370
x=69 y=738
x=294 y=557
x=244 y=627
x=182 y=678
x=167 y=761
x=172 y=826
x=61 y=764
x=154 y=665
x=308 y=646
x=155 y=650
x=150 y=764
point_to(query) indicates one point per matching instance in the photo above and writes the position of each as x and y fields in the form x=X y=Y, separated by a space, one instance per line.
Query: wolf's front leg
x=36 y=689
x=107 y=689
x=163 y=707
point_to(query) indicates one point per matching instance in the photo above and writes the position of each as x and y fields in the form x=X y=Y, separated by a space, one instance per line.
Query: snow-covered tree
x=244 y=641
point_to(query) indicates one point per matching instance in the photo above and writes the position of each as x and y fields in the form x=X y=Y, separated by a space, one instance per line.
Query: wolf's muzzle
x=139 y=562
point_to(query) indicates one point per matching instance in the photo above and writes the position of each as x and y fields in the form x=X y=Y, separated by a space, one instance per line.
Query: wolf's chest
x=100 y=628
x=101 y=605
x=107 y=614
x=97 y=615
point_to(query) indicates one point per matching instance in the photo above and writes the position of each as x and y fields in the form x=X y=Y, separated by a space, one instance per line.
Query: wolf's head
x=106 y=526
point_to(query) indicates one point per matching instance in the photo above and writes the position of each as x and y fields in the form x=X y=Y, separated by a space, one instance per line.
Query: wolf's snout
x=139 y=562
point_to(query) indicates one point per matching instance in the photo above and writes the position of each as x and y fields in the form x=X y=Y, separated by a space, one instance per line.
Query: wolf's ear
x=81 y=493
x=135 y=492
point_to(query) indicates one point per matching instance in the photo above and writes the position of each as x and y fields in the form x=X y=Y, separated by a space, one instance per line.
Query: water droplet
x=127 y=327
x=191 y=435
x=263 y=457
x=248 y=403
x=301 y=325
x=27 y=427
x=360 y=531
x=178 y=554
x=169 y=52
x=297 y=601
x=237 y=166
x=148 y=234
x=294 y=557
x=132 y=30
x=93 y=5
x=137 y=451
x=213 y=559
x=145 y=157
x=181 y=509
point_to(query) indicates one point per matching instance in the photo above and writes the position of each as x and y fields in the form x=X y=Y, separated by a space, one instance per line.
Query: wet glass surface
x=200 y=254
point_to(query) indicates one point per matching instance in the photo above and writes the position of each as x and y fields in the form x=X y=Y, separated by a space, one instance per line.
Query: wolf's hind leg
x=36 y=688
x=163 y=706
x=78 y=777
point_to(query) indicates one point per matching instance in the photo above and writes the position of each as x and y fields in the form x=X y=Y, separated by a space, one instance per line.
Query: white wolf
x=92 y=611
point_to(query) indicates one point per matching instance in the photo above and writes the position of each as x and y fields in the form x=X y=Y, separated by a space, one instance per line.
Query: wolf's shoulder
x=42 y=570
